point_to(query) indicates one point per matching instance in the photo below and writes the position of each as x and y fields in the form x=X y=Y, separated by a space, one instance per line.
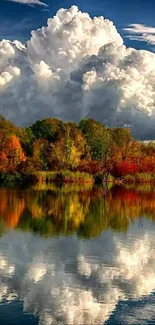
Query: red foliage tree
x=126 y=168
x=91 y=167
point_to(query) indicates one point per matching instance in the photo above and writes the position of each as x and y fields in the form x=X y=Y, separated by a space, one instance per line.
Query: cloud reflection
x=71 y=281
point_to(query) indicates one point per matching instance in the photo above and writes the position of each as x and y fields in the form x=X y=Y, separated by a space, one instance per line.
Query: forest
x=53 y=150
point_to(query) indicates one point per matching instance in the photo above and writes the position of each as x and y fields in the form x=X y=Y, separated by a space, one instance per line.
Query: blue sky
x=17 y=20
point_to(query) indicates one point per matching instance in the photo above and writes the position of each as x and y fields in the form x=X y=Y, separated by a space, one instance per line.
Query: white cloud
x=30 y=2
x=141 y=32
x=8 y=75
x=60 y=283
x=77 y=66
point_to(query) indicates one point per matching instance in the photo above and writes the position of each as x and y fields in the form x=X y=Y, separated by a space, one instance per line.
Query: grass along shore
x=43 y=177
x=65 y=177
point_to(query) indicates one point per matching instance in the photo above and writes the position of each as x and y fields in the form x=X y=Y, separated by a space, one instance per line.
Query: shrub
x=13 y=179
x=140 y=178
x=61 y=177
x=127 y=168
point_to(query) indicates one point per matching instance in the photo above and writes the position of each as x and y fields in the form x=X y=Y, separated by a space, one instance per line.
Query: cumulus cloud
x=67 y=281
x=140 y=32
x=76 y=67
x=30 y=2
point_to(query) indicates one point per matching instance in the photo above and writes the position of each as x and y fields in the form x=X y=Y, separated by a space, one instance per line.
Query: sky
x=91 y=59
x=18 y=19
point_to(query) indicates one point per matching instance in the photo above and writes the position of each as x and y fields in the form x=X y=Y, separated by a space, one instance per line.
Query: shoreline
x=68 y=177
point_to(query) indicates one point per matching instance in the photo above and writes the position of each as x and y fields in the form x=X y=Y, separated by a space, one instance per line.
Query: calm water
x=75 y=255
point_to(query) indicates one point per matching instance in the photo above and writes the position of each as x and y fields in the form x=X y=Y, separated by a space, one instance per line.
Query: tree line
x=53 y=145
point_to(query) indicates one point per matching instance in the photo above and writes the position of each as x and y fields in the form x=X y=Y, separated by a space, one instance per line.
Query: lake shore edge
x=66 y=177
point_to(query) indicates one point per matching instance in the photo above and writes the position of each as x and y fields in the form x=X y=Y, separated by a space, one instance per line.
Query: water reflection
x=109 y=279
x=69 y=209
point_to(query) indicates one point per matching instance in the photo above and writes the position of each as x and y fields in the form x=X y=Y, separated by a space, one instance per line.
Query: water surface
x=77 y=255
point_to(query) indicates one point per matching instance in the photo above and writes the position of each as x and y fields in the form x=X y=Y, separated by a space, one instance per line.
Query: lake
x=77 y=255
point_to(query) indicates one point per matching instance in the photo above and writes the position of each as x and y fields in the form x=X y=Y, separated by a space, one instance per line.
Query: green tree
x=7 y=127
x=26 y=138
x=42 y=130
x=94 y=134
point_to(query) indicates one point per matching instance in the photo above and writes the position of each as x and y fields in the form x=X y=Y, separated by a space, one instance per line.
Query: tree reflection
x=12 y=204
x=76 y=209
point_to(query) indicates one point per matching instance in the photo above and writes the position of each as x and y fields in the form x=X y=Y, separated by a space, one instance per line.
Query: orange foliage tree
x=11 y=154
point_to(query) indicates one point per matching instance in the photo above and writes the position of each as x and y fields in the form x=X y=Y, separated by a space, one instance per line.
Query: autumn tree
x=11 y=154
x=122 y=138
x=63 y=155
x=74 y=133
x=39 y=160
x=69 y=149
